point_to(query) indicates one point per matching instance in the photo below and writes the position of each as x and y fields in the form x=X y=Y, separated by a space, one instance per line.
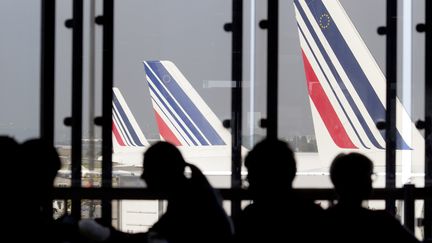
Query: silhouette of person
x=277 y=213
x=351 y=175
x=44 y=162
x=41 y=163
x=194 y=212
x=13 y=205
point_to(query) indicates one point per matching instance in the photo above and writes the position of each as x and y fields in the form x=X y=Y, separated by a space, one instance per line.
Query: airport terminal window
x=172 y=76
x=325 y=108
x=340 y=72
x=172 y=81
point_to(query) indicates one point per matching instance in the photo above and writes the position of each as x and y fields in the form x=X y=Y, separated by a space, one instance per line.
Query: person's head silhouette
x=9 y=148
x=10 y=157
x=270 y=165
x=351 y=175
x=163 y=167
x=43 y=162
x=7 y=143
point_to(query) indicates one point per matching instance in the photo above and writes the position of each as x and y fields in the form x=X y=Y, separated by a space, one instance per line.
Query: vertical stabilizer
x=126 y=132
x=347 y=89
x=183 y=117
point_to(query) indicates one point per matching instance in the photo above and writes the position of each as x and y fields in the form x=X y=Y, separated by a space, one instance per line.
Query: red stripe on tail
x=322 y=103
x=117 y=135
x=165 y=131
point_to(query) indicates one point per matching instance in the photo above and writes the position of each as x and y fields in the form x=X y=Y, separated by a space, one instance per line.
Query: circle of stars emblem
x=324 y=21
x=166 y=79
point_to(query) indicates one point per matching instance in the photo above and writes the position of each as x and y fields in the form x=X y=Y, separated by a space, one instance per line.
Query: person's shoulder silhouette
x=277 y=213
x=13 y=203
x=351 y=175
x=7 y=143
x=194 y=212
x=42 y=162
x=9 y=156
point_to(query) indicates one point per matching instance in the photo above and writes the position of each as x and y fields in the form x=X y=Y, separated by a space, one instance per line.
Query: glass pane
x=413 y=86
x=413 y=97
x=172 y=74
x=20 y=68
x=63 y=89
x=329 y=52
x=91 y=142
x=342 y=60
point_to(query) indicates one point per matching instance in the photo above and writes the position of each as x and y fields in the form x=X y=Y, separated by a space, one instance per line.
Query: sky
x=189 y=33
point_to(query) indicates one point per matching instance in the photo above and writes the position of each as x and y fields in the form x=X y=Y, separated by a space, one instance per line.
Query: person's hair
x=272 y=158
x=164 y=156
x=9 y=146
x=348 y=167
x=42 y=160
x=351 y=176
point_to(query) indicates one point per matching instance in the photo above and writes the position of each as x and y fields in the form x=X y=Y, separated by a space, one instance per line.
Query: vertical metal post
x=47 y=70
x=236 y=96
x=428 y=120
x=77 y=83
x=391 y=74
x=272 y=68
x=107 y=84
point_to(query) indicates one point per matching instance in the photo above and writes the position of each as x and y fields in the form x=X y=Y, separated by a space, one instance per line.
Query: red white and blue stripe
x=339 y=83
x=182 y=116
x=126 y=132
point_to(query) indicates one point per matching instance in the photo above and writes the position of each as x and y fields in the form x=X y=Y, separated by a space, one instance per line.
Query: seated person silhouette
x=42 y=163
x=194 y=212
x=12 y=185
x=277 y=213
x=348 y=221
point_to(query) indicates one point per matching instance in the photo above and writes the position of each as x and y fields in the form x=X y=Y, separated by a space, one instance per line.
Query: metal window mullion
x=272 y=67
x=236 y=99
x=47 y=70
x=107 y=84
x=391 y=89
x=428 y=120
x=77 y=83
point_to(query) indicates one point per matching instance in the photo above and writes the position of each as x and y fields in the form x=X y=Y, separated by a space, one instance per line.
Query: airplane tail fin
x=182 y=116
x=126 y=132
x=347 y=89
